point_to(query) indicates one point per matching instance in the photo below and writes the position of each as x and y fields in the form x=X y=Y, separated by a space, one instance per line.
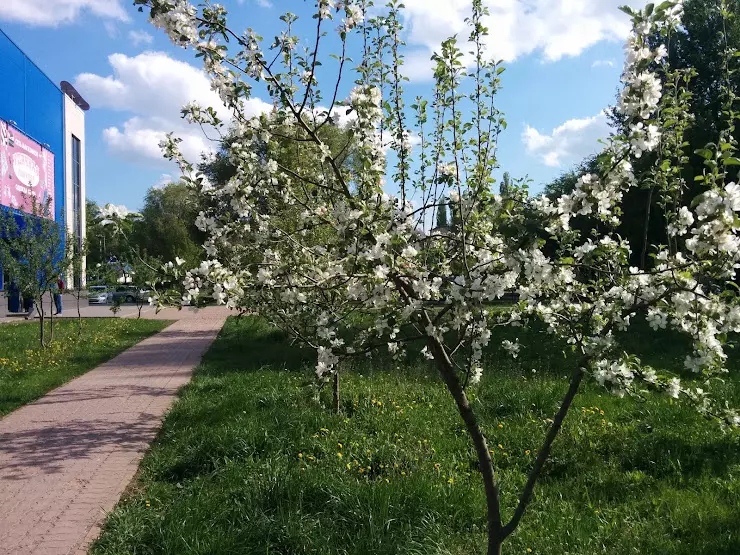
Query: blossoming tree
x=345 y=256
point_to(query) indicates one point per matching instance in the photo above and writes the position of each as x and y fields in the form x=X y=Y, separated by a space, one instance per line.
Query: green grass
x=249 y=463
x=27 y=372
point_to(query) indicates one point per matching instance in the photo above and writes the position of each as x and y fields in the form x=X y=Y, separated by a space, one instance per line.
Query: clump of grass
x=248 y=462
x=27 y=371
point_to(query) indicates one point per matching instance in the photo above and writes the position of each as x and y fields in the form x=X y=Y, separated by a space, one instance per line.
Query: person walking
x=28 y=304
x=58 y=296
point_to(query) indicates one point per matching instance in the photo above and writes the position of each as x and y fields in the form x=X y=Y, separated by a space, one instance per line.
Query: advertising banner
x=26 y=171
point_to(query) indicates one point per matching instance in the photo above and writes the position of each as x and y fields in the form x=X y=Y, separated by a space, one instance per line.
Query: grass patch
x=248 y=462
x=28 y=372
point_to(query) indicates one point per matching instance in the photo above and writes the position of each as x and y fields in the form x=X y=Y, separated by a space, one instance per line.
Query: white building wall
x=74 y=126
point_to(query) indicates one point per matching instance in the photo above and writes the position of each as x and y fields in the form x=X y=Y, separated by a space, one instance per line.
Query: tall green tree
x=700 y=44
x=442 y=220
x=95 y=236
x=166 y=228
x=505 y=186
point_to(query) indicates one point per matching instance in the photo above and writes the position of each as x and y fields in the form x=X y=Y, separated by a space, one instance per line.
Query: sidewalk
x=95 y=311
x=66 y=458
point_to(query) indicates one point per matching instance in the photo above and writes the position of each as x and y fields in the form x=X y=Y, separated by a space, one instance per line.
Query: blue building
x=36 y=111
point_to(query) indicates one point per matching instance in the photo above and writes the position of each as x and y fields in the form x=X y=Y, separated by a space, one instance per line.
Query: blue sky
x=563 y=60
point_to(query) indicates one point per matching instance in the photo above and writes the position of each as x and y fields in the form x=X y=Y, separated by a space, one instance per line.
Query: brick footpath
x=66 y=458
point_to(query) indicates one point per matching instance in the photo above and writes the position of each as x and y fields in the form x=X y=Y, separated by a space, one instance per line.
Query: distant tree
x=505 y=186
x=565 y=183
x=455 y=217
x=105 y=244
x=167 y=228
x=77 y=262
x=96 y=236
x=700 y=44
x=442 y=215
x=145 y=270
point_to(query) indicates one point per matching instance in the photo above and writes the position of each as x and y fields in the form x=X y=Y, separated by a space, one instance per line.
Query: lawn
x=27 y=372
x=248 y=462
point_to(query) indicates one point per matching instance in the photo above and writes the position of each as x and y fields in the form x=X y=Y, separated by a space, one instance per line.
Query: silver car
x=98 y=294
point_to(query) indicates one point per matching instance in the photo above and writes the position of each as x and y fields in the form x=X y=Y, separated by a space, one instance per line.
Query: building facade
x=42 y=143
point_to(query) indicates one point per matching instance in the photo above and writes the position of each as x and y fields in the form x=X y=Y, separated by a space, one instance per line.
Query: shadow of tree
x=53 y=447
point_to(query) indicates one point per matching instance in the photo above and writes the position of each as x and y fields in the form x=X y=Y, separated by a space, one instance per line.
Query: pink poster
x=26 y=171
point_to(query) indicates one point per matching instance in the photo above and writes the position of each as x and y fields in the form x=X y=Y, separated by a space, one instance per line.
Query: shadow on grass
x=248 y=344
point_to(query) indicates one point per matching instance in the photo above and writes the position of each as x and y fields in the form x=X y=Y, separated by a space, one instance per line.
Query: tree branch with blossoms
x=319 y=243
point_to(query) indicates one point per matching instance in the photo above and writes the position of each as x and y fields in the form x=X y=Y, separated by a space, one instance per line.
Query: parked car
x=98 y=294
x=129 y=294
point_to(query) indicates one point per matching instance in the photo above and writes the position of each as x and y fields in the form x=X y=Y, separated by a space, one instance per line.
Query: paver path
x=66 y=458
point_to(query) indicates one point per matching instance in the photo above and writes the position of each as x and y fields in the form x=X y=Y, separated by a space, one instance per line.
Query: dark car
x=129 y=294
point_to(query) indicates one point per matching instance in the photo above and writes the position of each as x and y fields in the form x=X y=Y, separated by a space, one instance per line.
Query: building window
x=77 y=199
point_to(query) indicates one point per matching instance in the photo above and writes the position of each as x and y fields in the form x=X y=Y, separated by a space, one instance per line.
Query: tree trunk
x=79 y=314
x=41 y=326
x=51 y=328
x=485 y=464
x=335 y=391
x=444 y=365
x=544 y=453
x=648 y=208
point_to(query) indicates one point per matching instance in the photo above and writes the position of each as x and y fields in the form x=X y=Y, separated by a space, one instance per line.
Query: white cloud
x=164 y=180
x=140 y=37
x=111 y=29
x=418 y=65
x=554 y=28
x=603 y=63
x=139 y=140
x=153 y=87
x=50 y=13
x=568 y=143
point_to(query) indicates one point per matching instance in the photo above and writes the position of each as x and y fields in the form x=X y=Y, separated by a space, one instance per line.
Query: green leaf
x=731 y=161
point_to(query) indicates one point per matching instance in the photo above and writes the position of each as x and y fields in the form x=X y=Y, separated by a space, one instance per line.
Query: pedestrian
x=28 y=304
x=58 y=296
